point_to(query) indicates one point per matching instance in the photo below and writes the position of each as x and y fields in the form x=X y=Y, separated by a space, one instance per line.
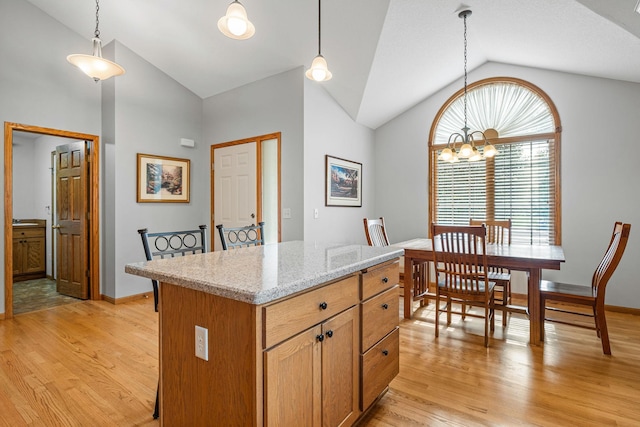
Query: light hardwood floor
x=95 y=364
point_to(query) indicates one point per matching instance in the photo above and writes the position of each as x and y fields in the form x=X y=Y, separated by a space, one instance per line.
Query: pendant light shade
x=319 y=71
x=235 y=23
x=94 y=65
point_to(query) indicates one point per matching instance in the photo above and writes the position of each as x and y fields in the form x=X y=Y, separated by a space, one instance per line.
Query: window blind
x=518 y=184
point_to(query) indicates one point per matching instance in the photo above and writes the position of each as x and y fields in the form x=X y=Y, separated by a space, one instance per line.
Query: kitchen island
x=291 y=334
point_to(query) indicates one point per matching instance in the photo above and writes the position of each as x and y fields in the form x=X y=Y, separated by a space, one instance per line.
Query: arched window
x=522 y=182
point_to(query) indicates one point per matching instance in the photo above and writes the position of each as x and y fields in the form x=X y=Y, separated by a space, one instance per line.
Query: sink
x=24 y=224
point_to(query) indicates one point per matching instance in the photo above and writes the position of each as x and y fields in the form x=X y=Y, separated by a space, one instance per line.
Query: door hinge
x=87 y=273
x=213 y=166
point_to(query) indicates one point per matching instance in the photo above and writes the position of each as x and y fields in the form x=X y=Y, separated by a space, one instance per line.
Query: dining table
x=531 y=259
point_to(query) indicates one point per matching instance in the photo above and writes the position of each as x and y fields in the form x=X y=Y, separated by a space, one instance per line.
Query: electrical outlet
x=286 y=213
x=202 y=343
x=315 y=213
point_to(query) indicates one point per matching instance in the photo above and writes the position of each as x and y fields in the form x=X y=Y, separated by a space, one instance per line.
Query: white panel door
x=235 y=187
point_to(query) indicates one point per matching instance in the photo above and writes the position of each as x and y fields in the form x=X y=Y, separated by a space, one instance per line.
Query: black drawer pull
x=320 y=337
x=385 y=279
x=323 y=305
x=329 y=333
x=385 y=352
x=385 y=306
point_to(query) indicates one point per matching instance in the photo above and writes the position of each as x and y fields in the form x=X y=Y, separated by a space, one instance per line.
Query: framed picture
x=343 y=184
x=163 y=179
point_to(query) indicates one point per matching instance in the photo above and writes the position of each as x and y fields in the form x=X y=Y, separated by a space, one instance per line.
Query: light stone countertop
x=261 y=274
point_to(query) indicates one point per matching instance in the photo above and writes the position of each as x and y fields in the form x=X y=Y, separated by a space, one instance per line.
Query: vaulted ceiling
x=385 y=55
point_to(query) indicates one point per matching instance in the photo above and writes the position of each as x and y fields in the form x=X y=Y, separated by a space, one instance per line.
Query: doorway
x=255 y=195
x=90 y=267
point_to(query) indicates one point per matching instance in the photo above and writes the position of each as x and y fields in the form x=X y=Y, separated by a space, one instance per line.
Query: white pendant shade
x=235 y=23
x=319 y=70
x=95 y=66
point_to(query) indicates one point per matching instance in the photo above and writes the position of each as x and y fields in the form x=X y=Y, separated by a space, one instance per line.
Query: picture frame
x=162 y=179
x=343 y=182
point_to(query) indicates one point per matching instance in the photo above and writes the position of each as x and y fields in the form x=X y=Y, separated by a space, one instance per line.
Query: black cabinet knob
x=320 y=337
x=385 y=306
x=323 y=305
x=329 y=334
x=385 y=352
x=385 y=279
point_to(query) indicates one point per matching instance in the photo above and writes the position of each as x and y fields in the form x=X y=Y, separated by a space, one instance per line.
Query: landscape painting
x=343 y=182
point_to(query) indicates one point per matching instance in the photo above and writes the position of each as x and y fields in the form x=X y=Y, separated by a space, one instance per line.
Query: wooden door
x=71 y=211
x=235 y=187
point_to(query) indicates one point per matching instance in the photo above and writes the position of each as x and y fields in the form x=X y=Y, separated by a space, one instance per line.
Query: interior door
x=71 y=208
x=235 y=187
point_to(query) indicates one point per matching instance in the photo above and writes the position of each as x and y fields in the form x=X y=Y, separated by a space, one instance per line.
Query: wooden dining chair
x=376 y=233
x=592 y=296
x=499 y=232
x=239 y=237
x=169 y=244
x=460 y=260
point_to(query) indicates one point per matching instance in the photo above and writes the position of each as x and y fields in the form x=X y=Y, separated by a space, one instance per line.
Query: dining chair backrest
x=376 y=232
x=460 y=259
x=498 y=230
x=238 y=237
x=611 y=259
x=169 y=244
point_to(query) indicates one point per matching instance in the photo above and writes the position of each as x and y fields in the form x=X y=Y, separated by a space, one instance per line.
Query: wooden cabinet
x=29 y=252
x=298 y=361
x=380 y=343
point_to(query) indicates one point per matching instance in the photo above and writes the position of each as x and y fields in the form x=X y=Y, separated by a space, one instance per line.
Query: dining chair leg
x=156 y=411
x=543 y=312
x=437 y=313
x=601 y=326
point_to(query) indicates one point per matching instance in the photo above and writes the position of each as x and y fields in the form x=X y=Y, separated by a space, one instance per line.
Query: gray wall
x=147 y=112
x=270 y=105
x=329 y=130
x=597 y=116
x=38 y=86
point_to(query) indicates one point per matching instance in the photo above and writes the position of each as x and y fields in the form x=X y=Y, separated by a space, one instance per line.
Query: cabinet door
x=34 y=255
x=292 y=388
x=18 y=258
x=340 y=369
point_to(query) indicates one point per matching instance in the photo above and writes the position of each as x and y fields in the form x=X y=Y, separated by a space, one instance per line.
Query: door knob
x=253 y=215
x=55 y=227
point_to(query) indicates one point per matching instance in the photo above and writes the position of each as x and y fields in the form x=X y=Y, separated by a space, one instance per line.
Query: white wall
x=596 y=114
x=328 y=129
x=270 y=105
x=37 y=84
x=146 y=111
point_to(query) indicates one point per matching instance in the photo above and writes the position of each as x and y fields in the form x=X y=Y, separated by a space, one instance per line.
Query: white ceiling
x=385 y=55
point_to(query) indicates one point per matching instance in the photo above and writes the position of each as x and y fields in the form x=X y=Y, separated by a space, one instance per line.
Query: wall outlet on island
x=202 y=343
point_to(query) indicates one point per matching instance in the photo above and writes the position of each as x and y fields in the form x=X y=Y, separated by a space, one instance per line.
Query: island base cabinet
x=312 y=378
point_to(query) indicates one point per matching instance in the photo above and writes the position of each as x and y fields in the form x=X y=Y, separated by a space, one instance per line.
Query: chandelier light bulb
x=466 y=150
x=490 y=151
x=446 y=154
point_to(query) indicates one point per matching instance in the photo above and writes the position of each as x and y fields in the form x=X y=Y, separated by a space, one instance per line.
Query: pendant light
x=319 y=71
x=235 y=23
x=95 y=66
x=468 y=150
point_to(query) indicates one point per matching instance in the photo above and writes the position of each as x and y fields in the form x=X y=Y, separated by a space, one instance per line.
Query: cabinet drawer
x=27 y=232
x=376 y=280
x=380 y=365
x=379 y=316
x=286 y=318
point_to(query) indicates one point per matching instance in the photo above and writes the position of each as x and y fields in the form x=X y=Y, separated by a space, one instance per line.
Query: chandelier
x=468 y=149
x=94 y=65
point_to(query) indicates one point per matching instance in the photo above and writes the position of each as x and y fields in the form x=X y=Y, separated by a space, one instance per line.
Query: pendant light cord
x=319 y=28
x=96 y=33
x=465 y=72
